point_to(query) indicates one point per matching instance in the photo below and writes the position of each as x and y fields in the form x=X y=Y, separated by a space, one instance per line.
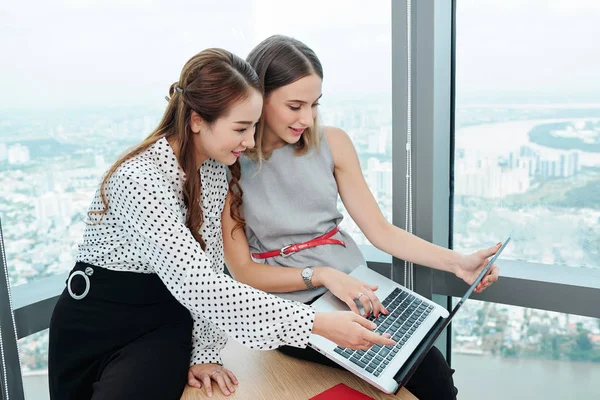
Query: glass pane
x=505 y=352
x=528 y=129
x=34 y=365
x=86 y=93
x=527 y=161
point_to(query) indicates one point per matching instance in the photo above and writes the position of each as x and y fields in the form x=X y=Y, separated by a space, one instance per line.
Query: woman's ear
x=195 y=122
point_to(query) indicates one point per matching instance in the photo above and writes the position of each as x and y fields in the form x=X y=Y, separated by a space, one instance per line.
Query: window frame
x=526 y=284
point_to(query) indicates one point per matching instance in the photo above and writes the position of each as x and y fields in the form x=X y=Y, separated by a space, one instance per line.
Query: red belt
x=290 y=249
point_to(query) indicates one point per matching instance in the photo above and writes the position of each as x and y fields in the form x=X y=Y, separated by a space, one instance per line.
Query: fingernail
x=226 y=393
x=499 y=243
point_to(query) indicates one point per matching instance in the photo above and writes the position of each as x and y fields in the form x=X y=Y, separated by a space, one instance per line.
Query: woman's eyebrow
x=302 y=101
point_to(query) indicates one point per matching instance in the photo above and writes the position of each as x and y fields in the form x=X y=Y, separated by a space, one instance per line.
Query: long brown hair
x=210 y=83
x=280 y=60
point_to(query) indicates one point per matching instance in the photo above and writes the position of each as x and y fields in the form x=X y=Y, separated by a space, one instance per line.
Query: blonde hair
x=279 y=61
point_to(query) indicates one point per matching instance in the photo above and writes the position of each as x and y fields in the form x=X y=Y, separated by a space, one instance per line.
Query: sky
x=530 y=46
x=126 y=52
x=97 y=53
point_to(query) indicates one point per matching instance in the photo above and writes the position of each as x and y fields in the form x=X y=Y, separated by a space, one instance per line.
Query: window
x=528 y=130
x=527 y=161
x=83 y=81
x=515 y=352
x=88 y=92
x=34 y=357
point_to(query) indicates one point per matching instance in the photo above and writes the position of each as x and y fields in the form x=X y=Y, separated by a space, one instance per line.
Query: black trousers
x=128 y=338
x=431 y=381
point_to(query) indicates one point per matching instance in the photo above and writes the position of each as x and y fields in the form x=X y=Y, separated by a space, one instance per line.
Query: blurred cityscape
x=533 y=170
x=484 y=328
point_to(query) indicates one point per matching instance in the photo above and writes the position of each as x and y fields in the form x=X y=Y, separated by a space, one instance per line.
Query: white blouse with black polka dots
x=144 y=231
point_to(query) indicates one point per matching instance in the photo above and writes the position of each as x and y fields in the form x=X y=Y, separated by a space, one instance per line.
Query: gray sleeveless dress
x=293 y=199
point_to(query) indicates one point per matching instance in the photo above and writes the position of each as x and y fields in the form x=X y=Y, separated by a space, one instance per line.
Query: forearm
x=275 y=279
x=406 y=246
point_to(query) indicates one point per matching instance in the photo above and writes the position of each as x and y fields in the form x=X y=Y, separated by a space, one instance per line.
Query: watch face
x=306 y=273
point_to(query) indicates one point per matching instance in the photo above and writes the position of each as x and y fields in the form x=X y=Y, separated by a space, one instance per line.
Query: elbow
x=239 y=275
x=379 y=233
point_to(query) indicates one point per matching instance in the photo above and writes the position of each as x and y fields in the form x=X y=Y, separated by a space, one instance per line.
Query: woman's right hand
x=349 y=330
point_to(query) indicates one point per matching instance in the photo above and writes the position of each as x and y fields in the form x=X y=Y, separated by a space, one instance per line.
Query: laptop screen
x=428 y=341
x=480 y=277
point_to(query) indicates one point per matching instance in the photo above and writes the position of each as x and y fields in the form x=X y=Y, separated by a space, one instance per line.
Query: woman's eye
x=241 y=130
x=316 y=105
x=293 y=108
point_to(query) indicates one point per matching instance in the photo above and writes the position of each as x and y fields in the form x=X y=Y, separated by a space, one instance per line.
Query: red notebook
x=341 y=392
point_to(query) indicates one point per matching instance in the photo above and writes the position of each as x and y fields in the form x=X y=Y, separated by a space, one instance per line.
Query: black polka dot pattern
x=144 y=231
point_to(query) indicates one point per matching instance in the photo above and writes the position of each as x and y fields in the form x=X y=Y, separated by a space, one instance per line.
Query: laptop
x=413 y=322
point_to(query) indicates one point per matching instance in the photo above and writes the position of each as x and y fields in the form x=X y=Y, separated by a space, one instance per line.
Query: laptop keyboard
x=406 y=313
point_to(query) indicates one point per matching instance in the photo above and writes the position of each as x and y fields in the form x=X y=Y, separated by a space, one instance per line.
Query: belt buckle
x=87 y=285
x=284 y=248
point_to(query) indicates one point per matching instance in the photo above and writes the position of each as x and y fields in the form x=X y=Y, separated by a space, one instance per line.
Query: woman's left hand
x=202 y=375
x=470 y=266
x=348 y=289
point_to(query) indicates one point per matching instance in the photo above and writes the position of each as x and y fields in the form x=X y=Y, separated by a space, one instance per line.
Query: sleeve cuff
x=299 y=334
x=205 y=356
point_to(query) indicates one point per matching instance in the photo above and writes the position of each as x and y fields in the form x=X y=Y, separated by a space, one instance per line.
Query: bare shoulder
x=341 y=146
x=336 y=136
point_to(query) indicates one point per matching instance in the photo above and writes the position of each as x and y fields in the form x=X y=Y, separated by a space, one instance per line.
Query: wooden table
x=271 y=375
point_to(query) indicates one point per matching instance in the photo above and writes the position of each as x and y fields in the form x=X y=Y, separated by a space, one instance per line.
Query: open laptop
x=414 y=323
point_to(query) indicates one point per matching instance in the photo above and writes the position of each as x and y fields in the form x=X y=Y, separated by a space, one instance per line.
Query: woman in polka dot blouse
x=147 y=297
x=291 y=182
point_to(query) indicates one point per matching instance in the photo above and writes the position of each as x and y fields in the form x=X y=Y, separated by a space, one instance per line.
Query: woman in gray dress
x=291 y=244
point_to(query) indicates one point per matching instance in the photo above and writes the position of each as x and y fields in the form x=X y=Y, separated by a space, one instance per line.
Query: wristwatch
x=307 y=274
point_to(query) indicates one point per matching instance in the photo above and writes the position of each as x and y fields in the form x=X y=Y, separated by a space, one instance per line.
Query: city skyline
x=479 y=173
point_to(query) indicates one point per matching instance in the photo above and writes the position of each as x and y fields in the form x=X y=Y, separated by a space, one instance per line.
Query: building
x=18 y=154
